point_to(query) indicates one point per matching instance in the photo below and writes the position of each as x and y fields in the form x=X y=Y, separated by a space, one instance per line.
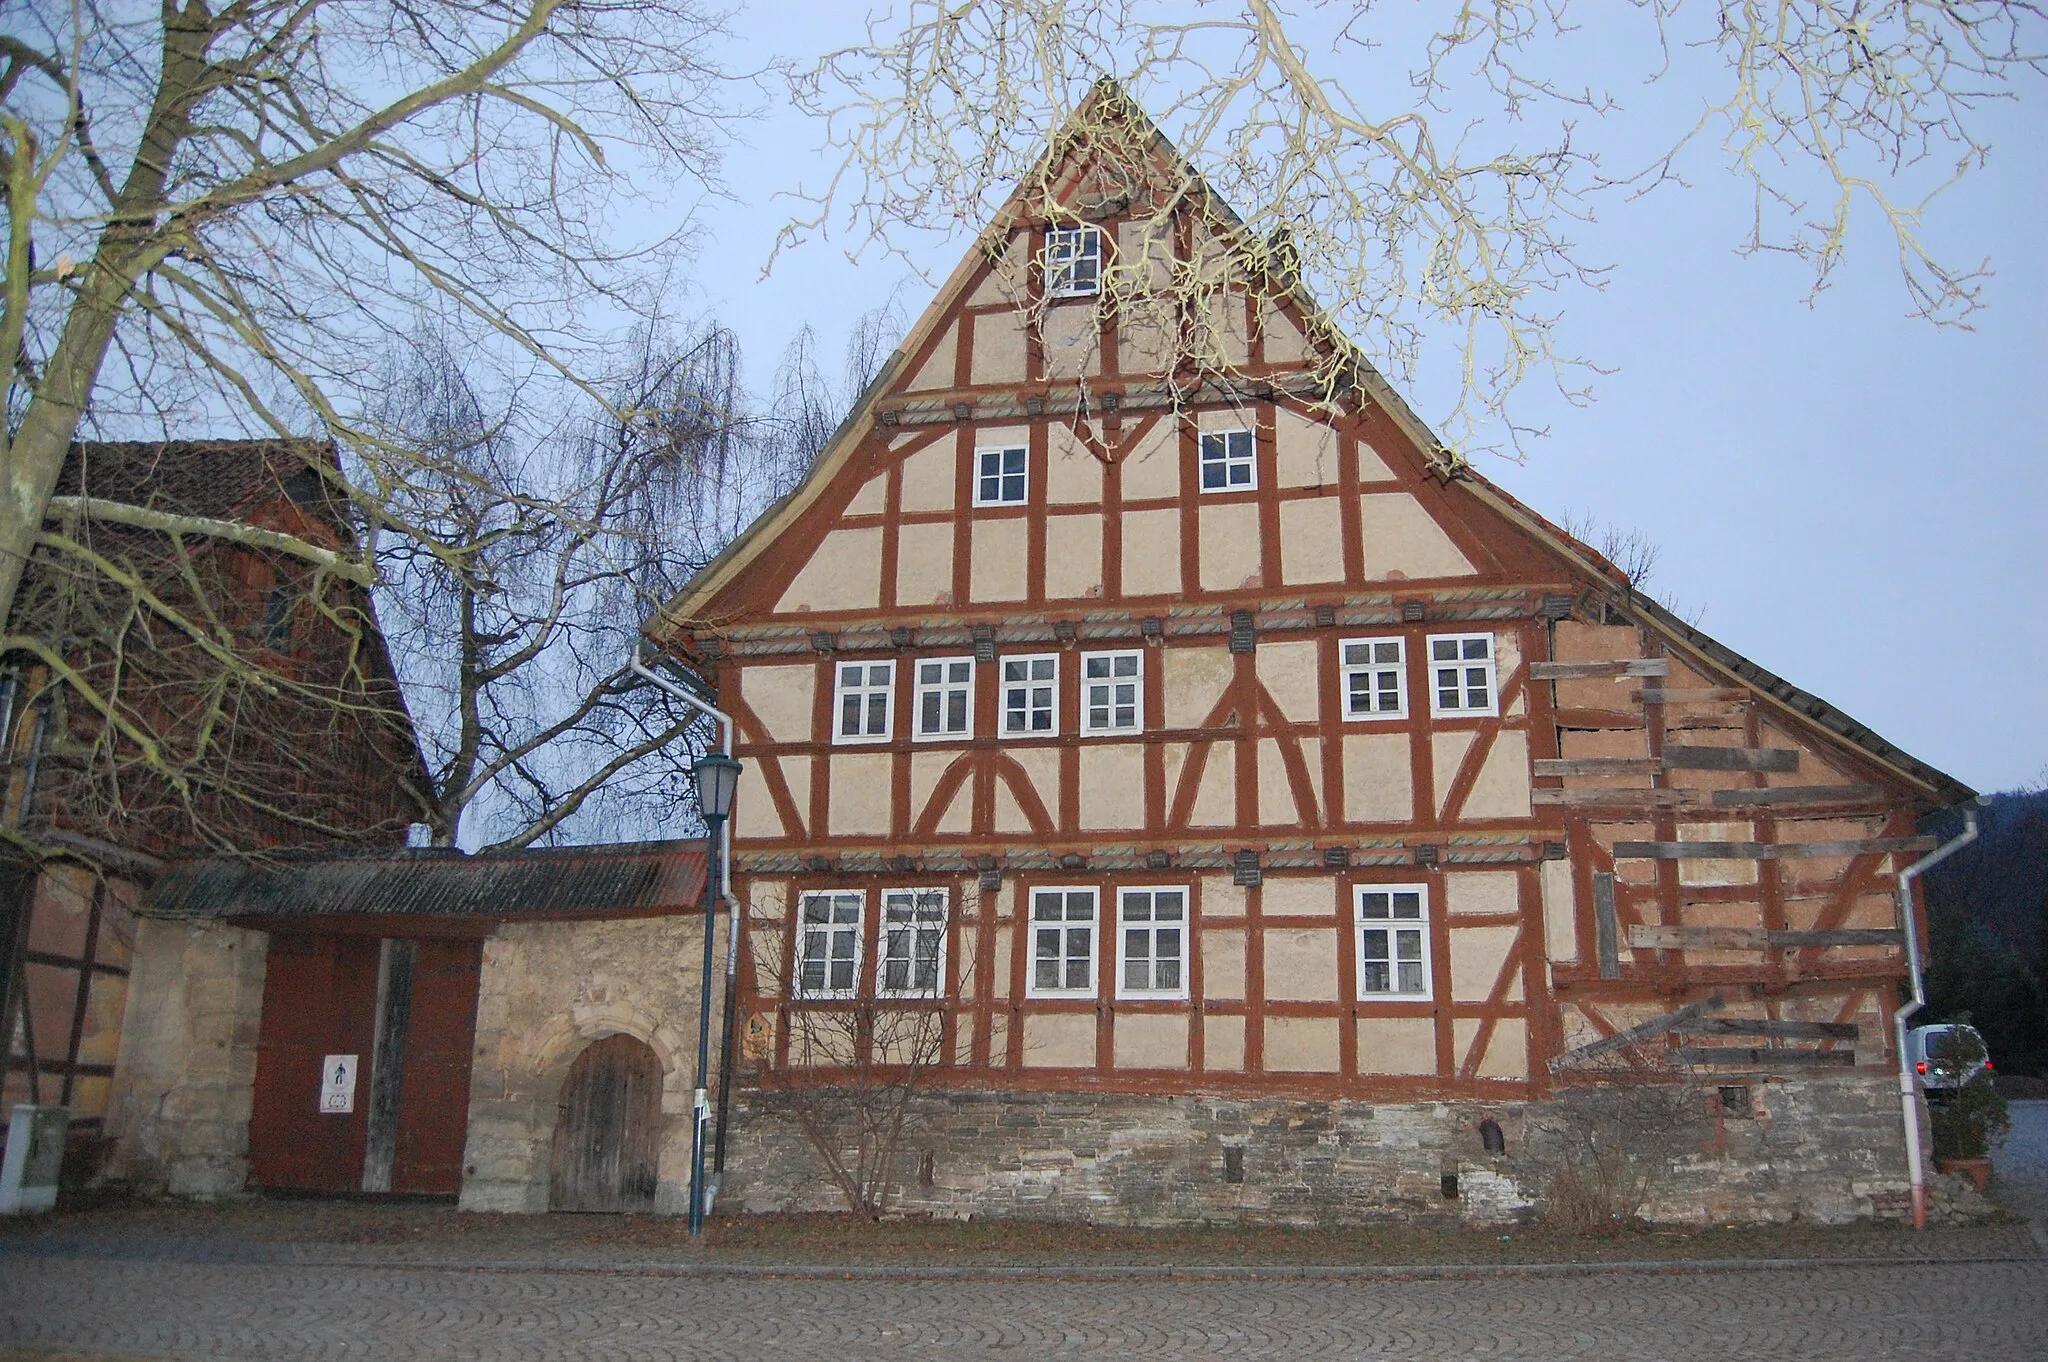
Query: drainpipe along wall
x=1909 y=1091
x=723 y=721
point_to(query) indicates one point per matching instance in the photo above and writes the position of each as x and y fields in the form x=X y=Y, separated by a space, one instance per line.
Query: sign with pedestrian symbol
x=338 y=1085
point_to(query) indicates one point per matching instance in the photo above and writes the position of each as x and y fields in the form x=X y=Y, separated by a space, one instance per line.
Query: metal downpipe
x=1909 y=1094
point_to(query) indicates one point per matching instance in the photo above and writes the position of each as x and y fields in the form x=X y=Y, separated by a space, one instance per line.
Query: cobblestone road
x=197 y=1311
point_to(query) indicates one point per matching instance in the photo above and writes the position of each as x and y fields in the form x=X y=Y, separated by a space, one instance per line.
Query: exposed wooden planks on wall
x=1764 y=851
x=1755 y=938
x=1731 y=758
x=1576 y=671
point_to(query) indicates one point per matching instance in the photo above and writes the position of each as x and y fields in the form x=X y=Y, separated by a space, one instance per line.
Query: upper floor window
x=999 y=476
x=913 y=944
x=864 y=693
x=1228 y=463
x=945 y=697
x=277 y=619
x=1393 y=941
x=1112 y=691
x=1461 y=675
x=1375 y=672
x=1152 y=943
x=827 y=944
x=1062 y=944
x=1031 y=695
x=1073 y=262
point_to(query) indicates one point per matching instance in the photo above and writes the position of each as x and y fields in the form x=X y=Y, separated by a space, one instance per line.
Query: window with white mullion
x=1393 y=941
x=1073 y=262
x=945 y=698
x=1112 y=692
x=827 y=945
x=912 y=960
x=1031 y=688
x=1229 y=461
x=1375 y=678
x=863 y=701
x=1000 y=476
x=1062 y=944
x=1152 y=943
x=1461 y=674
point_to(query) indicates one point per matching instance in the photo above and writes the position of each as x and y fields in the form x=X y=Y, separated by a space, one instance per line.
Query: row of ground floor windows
x=1148 y=934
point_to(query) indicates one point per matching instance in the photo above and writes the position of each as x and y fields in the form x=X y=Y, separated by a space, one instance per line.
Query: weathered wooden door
x=607 y=1129
x=433 y=1111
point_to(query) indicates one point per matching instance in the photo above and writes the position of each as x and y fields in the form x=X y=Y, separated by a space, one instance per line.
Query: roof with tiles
x=628 y=880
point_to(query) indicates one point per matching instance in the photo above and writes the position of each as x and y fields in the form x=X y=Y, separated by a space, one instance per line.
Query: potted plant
x=1974 y=1117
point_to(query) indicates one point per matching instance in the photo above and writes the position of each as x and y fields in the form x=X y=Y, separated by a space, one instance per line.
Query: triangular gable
x=838 y=545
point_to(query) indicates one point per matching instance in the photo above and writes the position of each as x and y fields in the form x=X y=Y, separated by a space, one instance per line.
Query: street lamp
x=718 y=776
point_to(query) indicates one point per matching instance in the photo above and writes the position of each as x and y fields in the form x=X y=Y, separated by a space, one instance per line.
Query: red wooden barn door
x=319 y=999
x=433 y=1106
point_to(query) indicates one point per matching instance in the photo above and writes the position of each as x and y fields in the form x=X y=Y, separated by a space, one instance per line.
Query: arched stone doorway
x=608 y=1129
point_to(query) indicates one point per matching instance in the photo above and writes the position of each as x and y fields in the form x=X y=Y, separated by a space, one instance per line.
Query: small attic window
x=1073 y=262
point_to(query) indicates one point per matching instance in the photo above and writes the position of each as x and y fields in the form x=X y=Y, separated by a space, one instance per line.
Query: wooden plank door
x=319 y=998
x=607 y=1129
x=433 y=1104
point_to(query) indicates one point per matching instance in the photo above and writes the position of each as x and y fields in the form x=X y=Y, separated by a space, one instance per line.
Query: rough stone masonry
x=1826 y=1149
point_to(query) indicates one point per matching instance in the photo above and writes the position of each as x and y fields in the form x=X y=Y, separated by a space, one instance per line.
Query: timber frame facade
x=1364 y=687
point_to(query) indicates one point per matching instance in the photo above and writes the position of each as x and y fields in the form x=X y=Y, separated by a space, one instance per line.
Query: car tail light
x=1921 y=1067
x=1987 y=1066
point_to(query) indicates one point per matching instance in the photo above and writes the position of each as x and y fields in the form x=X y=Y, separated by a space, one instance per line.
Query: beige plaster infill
x=781 y=696
x=928 y=478
x=1073 y=557
x=1403 y=542
x=924 y=564
x=1311 y=541
x=1379 y=785
x=1230 y=545
x=1396 y=1045
x=1151 y=553
x=843 y=573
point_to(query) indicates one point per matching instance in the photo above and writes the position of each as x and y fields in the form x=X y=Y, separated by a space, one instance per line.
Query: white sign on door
x=338 y=1084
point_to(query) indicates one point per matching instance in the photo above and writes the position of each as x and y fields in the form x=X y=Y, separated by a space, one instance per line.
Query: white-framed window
x=1031 y=695
x=827 y=944
x=911 y=962
x=1393 y=941
x=945 y=698
x=1375 y=677
x=1073 y=262
x=1229 y=463
x=1062 y=944
x=863 y=701
x=1112 y=692
x=999 y=476
x=1461 y=675
x=1152 y=943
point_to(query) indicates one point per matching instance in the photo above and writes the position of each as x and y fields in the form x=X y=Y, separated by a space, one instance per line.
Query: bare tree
x=1442 y=203
x=861 y=1044
x=1614 y=1135
x=237 y=204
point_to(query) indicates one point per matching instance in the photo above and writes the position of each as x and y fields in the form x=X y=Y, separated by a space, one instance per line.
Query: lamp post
x=718 y=776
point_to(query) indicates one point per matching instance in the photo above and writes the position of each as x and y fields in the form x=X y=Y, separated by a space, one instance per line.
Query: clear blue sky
x=1855 y=499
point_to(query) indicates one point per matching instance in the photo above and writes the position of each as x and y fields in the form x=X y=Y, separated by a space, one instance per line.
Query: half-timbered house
x=1292 y=823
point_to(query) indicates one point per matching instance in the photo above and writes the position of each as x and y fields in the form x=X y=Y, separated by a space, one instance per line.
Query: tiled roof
x=635 y=879
x=222 y=479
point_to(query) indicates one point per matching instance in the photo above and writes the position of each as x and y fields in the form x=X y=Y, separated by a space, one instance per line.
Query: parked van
x=1929 y=1050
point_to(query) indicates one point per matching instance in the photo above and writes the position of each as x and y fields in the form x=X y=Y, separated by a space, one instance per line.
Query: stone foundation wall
x=549 y=989
x=186 y=1076
x=1822 y=1149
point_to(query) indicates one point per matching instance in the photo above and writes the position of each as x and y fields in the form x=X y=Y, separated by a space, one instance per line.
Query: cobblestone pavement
x=195 y=1311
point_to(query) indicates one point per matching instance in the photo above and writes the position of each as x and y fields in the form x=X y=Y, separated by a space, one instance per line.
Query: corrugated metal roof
x=607 y=881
